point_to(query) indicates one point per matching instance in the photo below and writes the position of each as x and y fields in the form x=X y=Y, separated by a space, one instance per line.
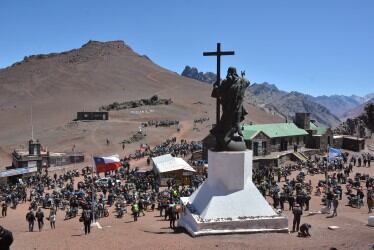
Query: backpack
x=86 y=215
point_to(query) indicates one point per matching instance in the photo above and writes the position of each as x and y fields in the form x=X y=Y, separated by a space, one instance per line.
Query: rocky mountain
x=361 y=125
x=328 y=110
x=192 y=72
x=344 y=106
x=357 y=110
x=54 y=87
x=363 y=99
x=338 y=104
x=286 y=104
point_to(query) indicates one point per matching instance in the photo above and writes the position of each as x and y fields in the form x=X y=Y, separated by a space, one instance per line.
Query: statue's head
x=231 y=71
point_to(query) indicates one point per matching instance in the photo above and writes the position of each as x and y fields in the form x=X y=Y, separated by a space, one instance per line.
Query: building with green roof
x=264 y=139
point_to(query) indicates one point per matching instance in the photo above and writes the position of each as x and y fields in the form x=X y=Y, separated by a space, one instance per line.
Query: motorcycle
x=355 y=201
x=33 y=205
x=120 y=211
x=71 y=213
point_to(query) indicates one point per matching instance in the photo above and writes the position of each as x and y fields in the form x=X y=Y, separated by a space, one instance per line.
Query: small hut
x=168 y=167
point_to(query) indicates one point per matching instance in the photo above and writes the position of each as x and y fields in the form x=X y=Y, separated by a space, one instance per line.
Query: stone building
x=319 y=136
x=264 y=139
x=87 y=116
x=35 y=156
x=348 y=142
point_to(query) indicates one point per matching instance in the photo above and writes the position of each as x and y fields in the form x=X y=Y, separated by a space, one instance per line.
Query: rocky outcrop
x=362 y=125
x=154 y=100
x=192 y=72
x=352 y=126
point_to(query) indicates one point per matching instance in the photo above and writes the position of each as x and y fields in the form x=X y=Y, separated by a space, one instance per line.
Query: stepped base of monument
x=228 y=201
x=197 y=227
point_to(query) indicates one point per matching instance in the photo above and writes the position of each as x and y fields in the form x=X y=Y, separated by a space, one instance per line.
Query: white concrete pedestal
x=228 y=201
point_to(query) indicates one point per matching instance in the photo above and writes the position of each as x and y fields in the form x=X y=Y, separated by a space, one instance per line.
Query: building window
x=297 y=140
x=272 y=141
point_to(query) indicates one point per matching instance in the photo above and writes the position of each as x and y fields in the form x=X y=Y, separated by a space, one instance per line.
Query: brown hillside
x=60 y=84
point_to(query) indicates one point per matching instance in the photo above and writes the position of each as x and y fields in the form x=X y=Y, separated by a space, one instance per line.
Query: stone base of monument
x=228 y=201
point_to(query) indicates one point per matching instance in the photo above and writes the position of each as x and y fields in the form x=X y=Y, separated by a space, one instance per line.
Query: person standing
x=282 y=199
x=52 y=219
x=329 y=197
x=6 y=238
x=370 y=199
x=30 y=217
x=135 y=211
x=291 y=201
x=40 y=217
x=335 y=203
x=141 y=207
x=86 y=218
x=306 y=201
x=172 y=215
x=4 y=208
x=297 y=212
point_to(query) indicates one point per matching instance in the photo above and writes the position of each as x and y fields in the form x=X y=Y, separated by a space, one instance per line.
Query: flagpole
x=32 y=125
x=94 y=222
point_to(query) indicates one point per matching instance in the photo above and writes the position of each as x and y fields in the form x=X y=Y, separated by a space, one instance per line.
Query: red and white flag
x=106 y=163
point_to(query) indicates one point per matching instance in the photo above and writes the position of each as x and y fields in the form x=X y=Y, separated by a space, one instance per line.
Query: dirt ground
x=152 y=232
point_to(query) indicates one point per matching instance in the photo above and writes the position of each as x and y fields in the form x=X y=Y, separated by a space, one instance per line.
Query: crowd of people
x=170 y=146
x=83 y=193
x=297 y=192
x=86 y=197
x=162 y=123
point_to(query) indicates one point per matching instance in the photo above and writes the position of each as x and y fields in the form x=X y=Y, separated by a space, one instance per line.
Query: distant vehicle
x=103 y=182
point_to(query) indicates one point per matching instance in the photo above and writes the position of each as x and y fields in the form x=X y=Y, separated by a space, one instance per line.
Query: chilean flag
x=106 y=163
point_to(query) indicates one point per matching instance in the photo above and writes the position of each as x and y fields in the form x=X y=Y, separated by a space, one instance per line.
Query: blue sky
x=315 y=47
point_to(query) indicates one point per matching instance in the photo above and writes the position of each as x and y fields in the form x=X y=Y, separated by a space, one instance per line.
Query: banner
x=333 y=153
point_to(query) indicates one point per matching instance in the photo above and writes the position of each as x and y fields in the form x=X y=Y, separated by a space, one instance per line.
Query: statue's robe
x=231 y=95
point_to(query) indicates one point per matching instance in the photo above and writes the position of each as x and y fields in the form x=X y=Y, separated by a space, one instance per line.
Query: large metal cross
x=218 y=54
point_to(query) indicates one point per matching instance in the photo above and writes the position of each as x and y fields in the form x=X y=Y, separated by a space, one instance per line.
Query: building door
x=283 y=145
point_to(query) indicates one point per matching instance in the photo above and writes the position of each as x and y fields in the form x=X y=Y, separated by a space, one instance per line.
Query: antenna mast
x=32 y=126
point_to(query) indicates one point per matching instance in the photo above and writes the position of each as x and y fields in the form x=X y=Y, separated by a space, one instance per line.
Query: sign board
x=187 y=173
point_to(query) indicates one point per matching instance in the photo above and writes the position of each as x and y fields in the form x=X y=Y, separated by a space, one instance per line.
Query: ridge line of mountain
x=333 y=108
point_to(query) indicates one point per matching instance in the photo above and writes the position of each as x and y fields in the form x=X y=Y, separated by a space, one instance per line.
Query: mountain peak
x=91 y=49
x=109 y=44
x=193 y=72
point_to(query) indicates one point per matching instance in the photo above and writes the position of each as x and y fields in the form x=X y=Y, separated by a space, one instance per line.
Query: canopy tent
x=168 y=163
x=17 y=171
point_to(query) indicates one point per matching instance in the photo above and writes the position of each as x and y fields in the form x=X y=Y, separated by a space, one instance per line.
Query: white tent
x=168 y=163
